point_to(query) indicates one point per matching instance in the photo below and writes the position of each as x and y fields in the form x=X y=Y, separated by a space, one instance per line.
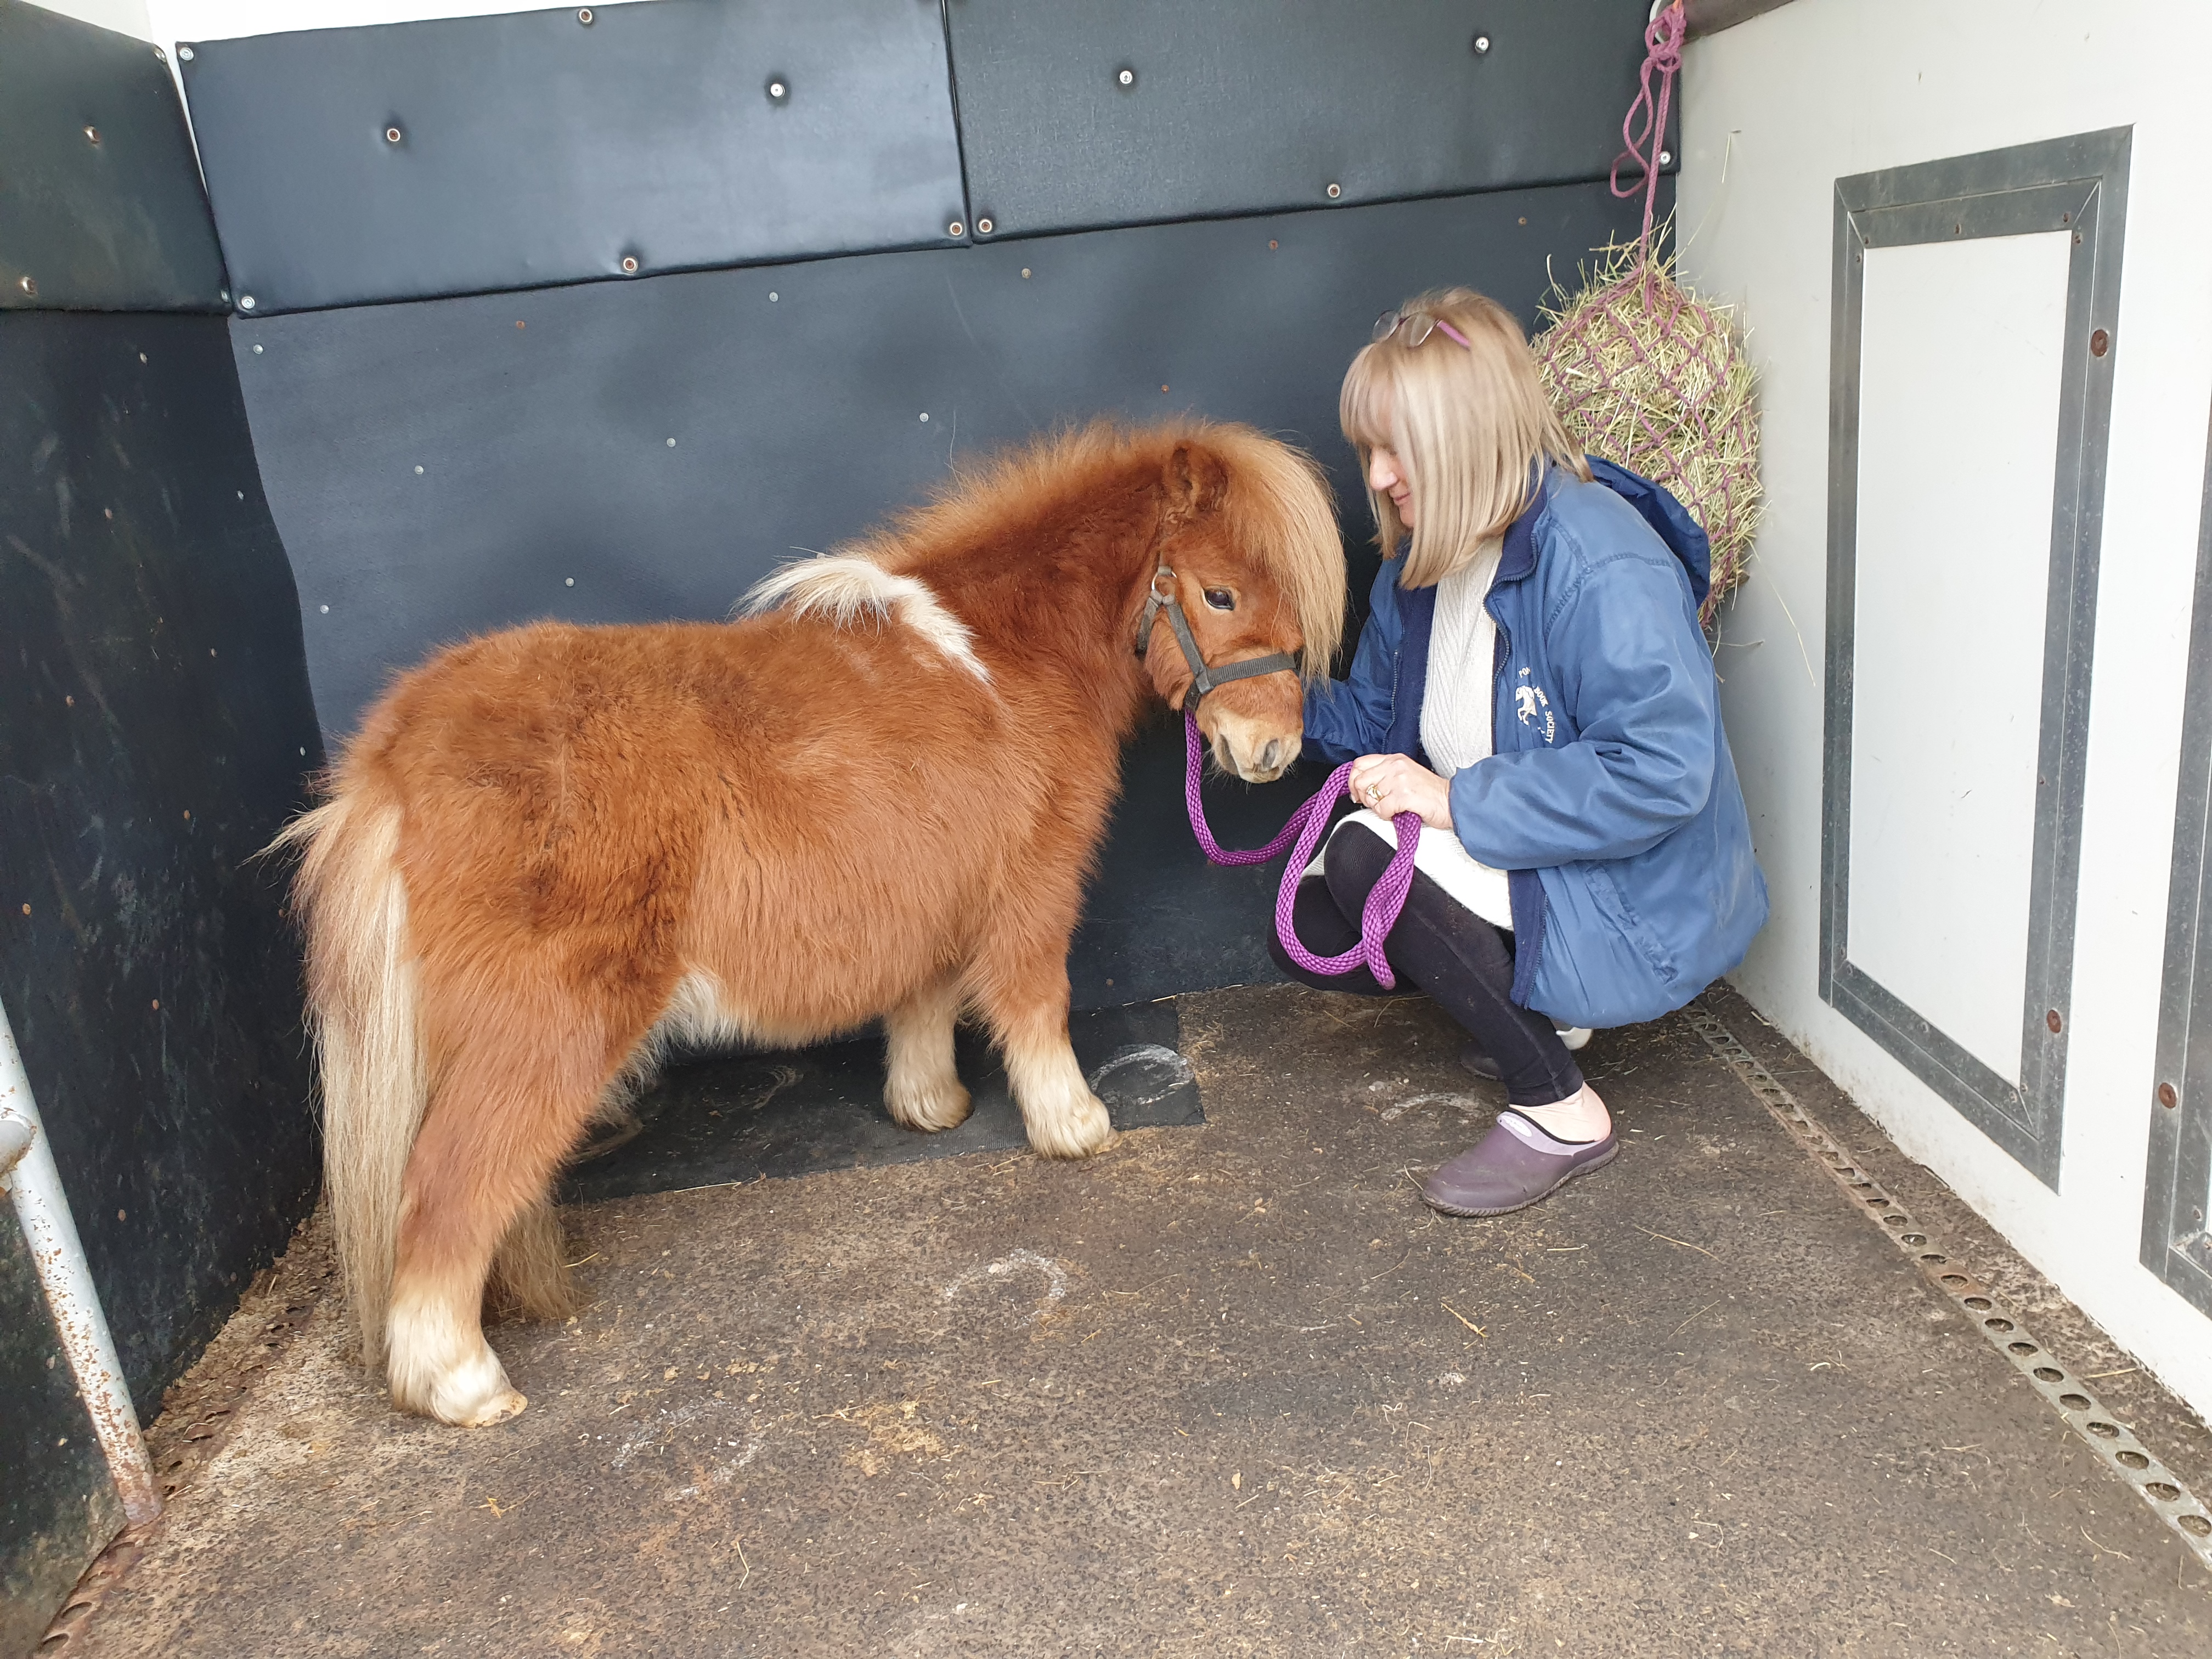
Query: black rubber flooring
x=1227 y=1389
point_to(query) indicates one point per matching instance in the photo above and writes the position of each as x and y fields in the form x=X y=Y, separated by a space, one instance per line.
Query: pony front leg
x=1063 y=1117
x=1027 y=1014
x=922 y=1089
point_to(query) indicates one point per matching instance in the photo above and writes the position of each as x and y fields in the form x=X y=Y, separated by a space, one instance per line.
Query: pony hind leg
x=507 y=1108
x=922 y=1089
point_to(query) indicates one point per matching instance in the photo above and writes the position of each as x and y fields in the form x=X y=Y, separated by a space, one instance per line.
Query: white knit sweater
x=1456 y=730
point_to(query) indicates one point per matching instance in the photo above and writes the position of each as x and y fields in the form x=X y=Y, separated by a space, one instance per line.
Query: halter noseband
x=1203 y=677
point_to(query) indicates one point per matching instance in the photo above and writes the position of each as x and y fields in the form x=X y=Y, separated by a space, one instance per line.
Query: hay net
x=1642 y=372
x=1647 y=376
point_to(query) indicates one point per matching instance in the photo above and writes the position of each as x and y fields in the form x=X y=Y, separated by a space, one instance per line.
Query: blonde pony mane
x=1279 y=509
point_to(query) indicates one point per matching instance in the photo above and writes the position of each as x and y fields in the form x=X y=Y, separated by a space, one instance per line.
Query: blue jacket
x=1611 y=799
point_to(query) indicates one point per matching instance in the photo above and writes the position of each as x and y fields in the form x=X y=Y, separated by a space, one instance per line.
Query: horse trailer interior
x=333 y=334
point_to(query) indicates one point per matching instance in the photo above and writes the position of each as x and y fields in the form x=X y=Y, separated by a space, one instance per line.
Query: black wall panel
x=1233 y=108
x=58 y=1508
x=605 y=453
x=156 y=729
x=100 y=207
x=537 y=147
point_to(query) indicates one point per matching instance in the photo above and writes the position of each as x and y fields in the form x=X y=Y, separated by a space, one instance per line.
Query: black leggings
x=1463 y=962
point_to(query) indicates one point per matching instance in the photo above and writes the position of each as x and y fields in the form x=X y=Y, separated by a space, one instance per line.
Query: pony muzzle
x=1253 y=748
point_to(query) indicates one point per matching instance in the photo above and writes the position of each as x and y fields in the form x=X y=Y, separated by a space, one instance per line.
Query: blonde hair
x=1468 y=423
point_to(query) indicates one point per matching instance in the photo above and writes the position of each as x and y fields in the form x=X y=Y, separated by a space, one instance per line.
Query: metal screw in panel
x=1666 y=157
x=160 y=57
x=955 y=228
x=2099 y=343
x=257 y=350
x=777 y=91
x=392 y=135
x=1127 y=77
x=2053 y=1020
x=246 y=302
x=92 y=134
x=1335 y=191
x=185 y=52
x=29 y=286
x=585 y=17
x=629 y=264
x=1481 y=46
x=983 y=226
x=2168 y=1096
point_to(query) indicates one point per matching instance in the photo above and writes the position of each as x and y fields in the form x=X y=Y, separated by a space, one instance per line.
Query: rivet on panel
x=160 y=57
x=418 y=471
x=1335 y=191
x=246 y=302
x=983 y=226
x=185 y=52
x=1025 y=273
x=2051 y=1019
x=2099 y=343
x=925 y=414
x=1481 y=46
x=1666 y=156
x=257 y=350
x=29 y=285
x=777 y=90
x=772 y=296
x=629 y=264
x=585 y=17
x=671 y=443
x=2169 y=1096
x=1127 y=77
x=91 y=135
x=956 y=229
x=392 y=135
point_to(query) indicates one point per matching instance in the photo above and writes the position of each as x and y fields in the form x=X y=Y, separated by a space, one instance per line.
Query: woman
x=1533 y=681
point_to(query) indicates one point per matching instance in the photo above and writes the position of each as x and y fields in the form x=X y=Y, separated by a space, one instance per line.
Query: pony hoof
x=1085 y=1131
x=497 y=1409
x=929 y=1110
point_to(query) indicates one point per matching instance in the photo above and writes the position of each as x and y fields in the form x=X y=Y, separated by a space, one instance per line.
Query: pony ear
x=1196 y=481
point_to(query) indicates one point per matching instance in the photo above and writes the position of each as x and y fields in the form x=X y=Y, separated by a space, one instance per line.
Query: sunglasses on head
x=1418 y=325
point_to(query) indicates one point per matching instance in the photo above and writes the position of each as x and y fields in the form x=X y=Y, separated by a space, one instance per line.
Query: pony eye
x=1220 y=598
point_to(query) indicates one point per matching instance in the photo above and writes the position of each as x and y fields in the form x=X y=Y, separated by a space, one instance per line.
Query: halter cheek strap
x=1203 y=677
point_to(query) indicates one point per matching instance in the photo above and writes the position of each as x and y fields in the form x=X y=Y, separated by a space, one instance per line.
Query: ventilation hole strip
x=2067 y=1395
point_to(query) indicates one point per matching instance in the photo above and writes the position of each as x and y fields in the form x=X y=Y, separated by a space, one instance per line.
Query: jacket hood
x=1654 y=504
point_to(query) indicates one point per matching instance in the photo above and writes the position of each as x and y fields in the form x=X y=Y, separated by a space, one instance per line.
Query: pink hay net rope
x=1385 y=901
x=1663 y=55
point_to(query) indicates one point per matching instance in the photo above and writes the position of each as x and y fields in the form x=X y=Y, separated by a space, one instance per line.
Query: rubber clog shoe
x=1514 y=1165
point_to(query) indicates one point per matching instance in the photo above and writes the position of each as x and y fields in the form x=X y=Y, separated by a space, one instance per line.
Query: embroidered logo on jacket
x=1532 y=706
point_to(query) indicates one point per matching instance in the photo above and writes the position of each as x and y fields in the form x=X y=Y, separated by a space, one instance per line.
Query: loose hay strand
x=1646 y=375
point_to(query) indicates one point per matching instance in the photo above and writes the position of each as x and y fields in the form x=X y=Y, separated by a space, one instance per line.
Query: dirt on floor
x=1224 y=1389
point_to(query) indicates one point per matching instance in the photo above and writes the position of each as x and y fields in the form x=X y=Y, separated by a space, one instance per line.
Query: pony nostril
x=1271 y=754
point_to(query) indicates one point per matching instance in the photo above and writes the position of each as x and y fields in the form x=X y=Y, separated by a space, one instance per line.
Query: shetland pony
x=550 y=851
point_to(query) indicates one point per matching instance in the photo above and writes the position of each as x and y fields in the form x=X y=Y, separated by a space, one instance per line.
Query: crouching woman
x=1533 y=681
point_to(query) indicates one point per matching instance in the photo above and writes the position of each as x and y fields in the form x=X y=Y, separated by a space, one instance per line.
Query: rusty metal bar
x=50 y=1230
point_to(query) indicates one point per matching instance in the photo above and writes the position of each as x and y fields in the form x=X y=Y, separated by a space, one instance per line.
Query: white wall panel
x=1959 y=391
x=1775 y=112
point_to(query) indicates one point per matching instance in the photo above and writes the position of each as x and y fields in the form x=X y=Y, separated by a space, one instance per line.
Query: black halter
x=1203 y=678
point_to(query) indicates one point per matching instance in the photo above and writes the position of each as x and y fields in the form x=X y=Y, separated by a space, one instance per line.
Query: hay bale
x=1646 y=375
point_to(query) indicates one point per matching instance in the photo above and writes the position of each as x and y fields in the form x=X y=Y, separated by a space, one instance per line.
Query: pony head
x=1250 y=533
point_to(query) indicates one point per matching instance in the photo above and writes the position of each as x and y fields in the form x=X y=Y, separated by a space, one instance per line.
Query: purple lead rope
x=1384 y=901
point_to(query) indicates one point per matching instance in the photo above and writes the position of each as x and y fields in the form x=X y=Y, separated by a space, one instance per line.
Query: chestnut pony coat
x=550 y=851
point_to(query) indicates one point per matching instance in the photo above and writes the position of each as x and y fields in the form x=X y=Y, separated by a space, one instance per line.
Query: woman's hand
x=1387 y=785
